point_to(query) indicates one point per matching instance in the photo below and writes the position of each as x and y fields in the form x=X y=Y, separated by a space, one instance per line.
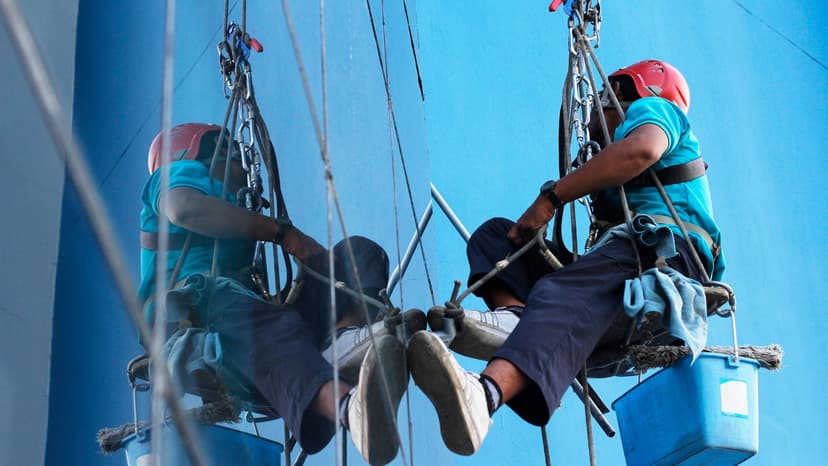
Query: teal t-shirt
x=691 y=198
x=235 y=256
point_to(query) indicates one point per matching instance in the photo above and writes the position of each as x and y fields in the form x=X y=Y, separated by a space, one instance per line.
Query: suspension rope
x=160 y=323
x=414 y=51
x=400 y=149
x=387 y=78
x=332 y=193
x=338 y=437
x=577 y=107
x=255 y=147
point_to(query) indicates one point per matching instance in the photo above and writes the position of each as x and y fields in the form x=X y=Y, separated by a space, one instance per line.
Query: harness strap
x=149 y=240
x=666 y=219
x=714 y=248
x=671 y=175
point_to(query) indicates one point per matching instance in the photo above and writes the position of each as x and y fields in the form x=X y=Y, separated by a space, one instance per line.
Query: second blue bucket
x=221 y=446
x=704 y=413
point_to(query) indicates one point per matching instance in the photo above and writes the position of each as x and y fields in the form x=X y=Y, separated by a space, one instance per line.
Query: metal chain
x=579 y=100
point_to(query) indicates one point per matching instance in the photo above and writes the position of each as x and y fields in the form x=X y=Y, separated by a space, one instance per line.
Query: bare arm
x=618 y=163
x=210 y=216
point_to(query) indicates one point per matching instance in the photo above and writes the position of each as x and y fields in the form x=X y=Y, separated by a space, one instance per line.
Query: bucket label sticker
x=734 y=397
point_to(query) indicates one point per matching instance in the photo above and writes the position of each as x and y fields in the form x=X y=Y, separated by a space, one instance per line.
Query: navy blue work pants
x=274 y=348
x=567 y=311
x=277 y=348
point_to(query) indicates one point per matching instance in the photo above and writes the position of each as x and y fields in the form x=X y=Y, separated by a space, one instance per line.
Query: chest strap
x=671 y=175
x=149 y=240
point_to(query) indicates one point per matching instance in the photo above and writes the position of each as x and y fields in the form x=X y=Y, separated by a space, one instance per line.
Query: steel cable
x=332 y=194
x=390 y=105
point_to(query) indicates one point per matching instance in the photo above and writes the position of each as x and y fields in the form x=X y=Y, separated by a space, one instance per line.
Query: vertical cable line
x=579 y=94
x=386 y=76
x=332 y=193
x=414 y=51
x=338 y=444
x=160 y=309
x=400 y=150
x=54 y=117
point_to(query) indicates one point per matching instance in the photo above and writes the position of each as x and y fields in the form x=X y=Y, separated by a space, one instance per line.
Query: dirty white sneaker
x=481 y=333
x=353 y=342
x=457 y=395
x=371 y=415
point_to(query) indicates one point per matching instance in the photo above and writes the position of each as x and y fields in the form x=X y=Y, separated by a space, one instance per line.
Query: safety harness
x=606 y=214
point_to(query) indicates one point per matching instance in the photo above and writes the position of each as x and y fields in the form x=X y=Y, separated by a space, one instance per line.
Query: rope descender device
x=234 y=52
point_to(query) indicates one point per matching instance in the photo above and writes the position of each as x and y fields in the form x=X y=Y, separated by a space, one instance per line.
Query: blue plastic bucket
x=707 y=413
x=222 y=446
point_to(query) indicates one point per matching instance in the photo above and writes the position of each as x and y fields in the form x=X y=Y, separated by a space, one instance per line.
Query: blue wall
x=117 y=114
x=492 y=78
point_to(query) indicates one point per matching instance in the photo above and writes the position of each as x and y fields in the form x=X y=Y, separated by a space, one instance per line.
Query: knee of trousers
x=491 y=231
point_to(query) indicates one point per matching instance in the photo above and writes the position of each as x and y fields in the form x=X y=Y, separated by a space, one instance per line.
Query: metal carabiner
x=245 y=148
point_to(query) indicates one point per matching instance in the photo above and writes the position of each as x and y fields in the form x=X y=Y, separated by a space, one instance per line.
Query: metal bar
x=587 y=412
x=593 y=409
x=54 y=115
x=545 y=446
x=500 y=265
x=458 y=225
x=399 y=271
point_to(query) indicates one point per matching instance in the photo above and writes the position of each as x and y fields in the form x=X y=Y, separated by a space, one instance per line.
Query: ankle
x=494 y=397
x=343 y=410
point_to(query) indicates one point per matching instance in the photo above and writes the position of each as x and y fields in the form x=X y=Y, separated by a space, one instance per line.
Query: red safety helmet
x=658 y=78
x=185 y=143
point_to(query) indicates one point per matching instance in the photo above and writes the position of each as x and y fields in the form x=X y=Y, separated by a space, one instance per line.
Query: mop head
x=649 y=357
x=225 y=409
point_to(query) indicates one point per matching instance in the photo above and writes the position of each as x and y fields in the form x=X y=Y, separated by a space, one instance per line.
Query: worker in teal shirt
x=275 y=349
x=691 y=198
x=557 y=318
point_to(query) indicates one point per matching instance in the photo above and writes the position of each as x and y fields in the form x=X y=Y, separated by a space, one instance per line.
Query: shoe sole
x=383 y=439
x=433 y=369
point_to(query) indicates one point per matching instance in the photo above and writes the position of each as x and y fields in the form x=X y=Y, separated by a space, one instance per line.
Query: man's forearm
x=616 y=164
x=210 y=216
x=213 y=217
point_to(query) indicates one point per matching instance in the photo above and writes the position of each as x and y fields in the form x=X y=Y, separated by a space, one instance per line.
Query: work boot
x=481 y=333
x=353 y=342
x=372 y=411
x=457 y=395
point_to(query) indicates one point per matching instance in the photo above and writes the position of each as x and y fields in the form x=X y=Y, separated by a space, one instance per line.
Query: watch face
x=548 y=185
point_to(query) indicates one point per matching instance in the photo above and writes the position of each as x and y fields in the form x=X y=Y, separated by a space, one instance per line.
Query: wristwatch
x=284 y=225
x=548 y=191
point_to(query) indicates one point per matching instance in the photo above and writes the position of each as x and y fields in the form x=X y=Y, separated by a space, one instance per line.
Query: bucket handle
x=729 y=312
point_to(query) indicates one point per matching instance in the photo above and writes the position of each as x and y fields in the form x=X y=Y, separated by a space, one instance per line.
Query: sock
x=493 y=393
x=343 y=410
x=516 y=310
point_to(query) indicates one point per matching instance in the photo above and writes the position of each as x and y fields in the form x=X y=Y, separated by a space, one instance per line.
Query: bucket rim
x=703 y=355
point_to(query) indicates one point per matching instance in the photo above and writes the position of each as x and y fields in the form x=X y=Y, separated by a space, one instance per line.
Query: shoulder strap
x=671 y=175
